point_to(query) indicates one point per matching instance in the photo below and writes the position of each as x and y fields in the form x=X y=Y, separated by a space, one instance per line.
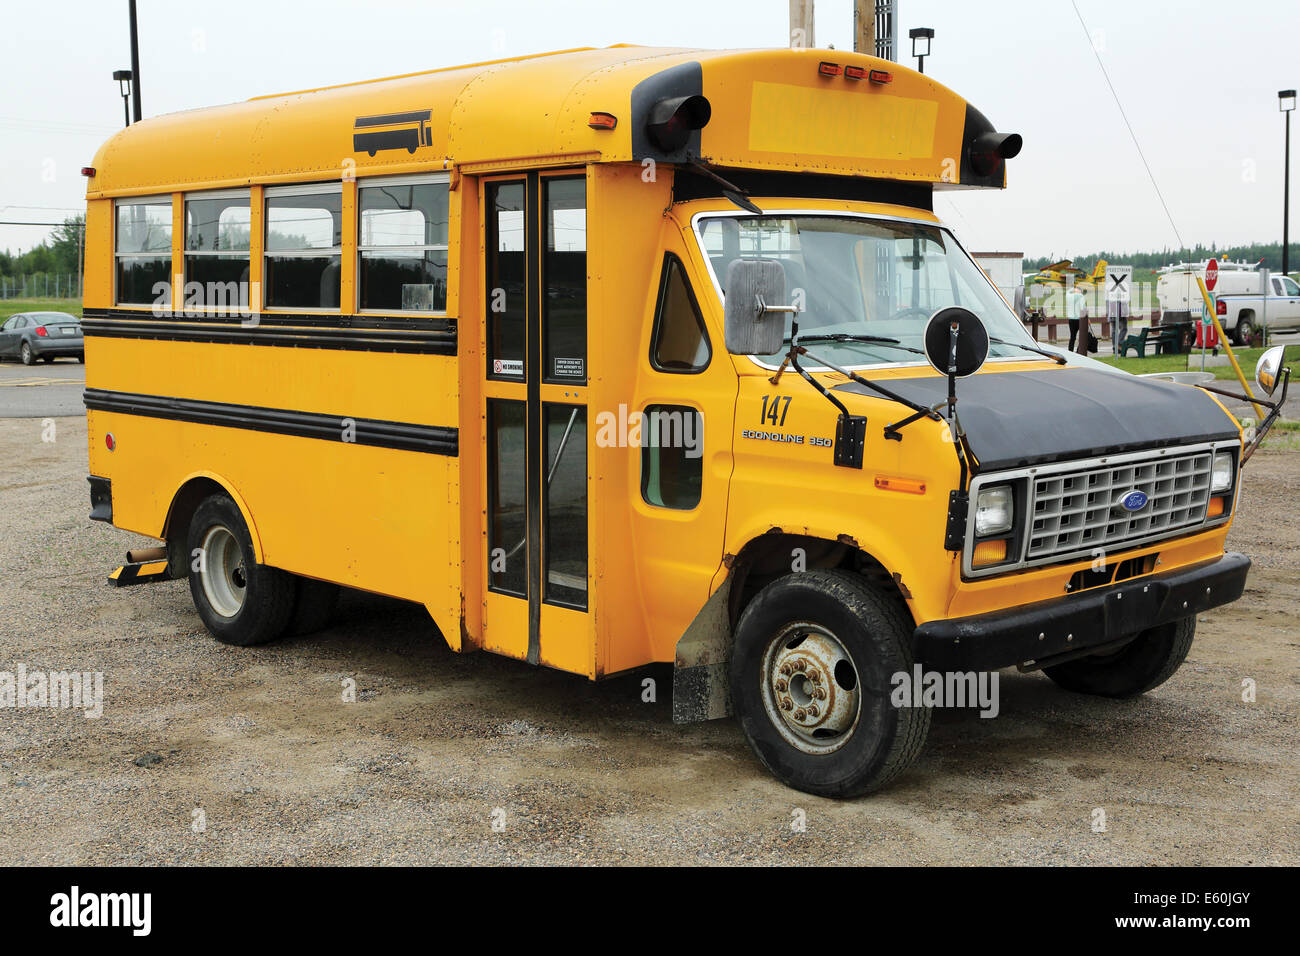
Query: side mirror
x=754 y=324
x=956 y=342
x=1269 y=368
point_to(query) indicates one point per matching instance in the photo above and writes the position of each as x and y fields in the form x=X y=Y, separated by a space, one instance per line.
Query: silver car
x=29 y=336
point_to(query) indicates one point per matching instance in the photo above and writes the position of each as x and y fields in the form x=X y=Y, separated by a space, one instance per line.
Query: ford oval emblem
x=1133 y=501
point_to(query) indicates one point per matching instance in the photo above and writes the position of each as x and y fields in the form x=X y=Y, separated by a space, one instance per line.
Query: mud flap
x=700 y=672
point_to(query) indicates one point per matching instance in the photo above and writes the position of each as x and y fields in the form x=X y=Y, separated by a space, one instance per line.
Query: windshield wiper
x=857 y=339
x=1058 y=359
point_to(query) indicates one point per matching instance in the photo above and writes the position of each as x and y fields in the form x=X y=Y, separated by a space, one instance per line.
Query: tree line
x=1270 y=252
x=56 y=254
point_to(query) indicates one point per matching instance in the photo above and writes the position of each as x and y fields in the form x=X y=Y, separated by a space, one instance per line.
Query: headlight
x=1221 y=474
x=993 y=511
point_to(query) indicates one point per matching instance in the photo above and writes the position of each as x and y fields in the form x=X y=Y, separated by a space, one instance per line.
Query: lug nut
x=812 y=710
x=820 y=693
x=786 y=703
x=786 y=669
x=800 y=714
x=815 y=676
x=782 y=685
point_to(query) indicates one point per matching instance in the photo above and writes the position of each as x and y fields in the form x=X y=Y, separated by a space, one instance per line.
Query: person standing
x=1075 y=308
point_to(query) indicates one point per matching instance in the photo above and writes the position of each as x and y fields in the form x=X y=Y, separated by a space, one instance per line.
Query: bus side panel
x=381 y=519
x=97 y=282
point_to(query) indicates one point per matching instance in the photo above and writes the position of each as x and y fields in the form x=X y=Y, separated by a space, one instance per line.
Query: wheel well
x=774 y=555
x=1246 y=314
x=177 y=528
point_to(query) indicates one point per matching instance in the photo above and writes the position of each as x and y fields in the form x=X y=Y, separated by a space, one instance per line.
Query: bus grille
x=1079 y=511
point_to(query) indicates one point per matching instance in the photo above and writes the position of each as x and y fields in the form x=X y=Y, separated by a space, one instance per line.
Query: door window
x=507 y=279
x=564 y=275
x=680 y=343
x=565 y=503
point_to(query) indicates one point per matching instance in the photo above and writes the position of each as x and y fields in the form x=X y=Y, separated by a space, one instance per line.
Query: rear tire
x=26 y=355
x=1241 y=335
x=313 y=606
x=1146 y=662
x=241 y=602
x=842 y=641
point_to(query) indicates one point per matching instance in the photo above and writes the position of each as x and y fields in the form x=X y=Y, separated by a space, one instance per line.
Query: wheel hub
x=222 y=572
x=811 y=688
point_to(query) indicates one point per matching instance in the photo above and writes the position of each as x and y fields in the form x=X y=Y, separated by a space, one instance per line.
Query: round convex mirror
x=966 y=355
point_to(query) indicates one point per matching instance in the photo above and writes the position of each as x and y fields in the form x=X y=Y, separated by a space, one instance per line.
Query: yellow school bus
x=610 y=357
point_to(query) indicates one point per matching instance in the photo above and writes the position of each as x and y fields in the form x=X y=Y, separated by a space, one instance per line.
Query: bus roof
x=768 y=110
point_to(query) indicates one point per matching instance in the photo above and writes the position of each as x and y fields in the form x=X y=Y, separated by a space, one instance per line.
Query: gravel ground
x=256 y=751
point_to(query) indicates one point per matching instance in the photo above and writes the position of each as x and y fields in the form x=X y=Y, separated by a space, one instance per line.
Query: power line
x=1124 y=115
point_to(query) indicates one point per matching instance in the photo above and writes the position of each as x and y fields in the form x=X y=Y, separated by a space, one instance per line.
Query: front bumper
x=1038 y=632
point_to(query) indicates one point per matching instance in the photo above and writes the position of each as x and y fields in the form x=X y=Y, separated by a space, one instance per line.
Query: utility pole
x=135 y=60
x=864 y=27
x=801 y=24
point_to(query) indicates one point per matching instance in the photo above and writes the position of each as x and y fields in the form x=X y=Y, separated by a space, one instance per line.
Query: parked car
x=29 y=336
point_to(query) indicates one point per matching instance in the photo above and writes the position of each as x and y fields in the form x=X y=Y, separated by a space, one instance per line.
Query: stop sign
x=1211 y=273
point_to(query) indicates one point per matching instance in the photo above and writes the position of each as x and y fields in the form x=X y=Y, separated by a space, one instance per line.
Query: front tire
x=241 y=602
x=811 y=677
x=1144 y=663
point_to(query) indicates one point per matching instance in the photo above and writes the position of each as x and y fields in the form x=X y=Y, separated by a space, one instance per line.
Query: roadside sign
x=1119 y=283
x=1211 y=274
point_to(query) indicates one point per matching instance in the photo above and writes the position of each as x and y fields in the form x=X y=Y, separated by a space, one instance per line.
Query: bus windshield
x=859 y=276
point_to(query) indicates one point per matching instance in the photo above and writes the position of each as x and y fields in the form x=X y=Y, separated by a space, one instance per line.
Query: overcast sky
x=1198 y=80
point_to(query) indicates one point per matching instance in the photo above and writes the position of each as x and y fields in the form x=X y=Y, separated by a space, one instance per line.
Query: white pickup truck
x=1242 y=306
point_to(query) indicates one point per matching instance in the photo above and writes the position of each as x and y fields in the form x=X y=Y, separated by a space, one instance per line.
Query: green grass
x=10 y=307
x=1283 y=436
x=1246 y=358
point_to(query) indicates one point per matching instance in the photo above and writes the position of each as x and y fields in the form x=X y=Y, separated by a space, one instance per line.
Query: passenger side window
x=143 y=250
x=403 y=245
x=679 y=343
x=304 y=247
x=672 y=456
x=217 y=234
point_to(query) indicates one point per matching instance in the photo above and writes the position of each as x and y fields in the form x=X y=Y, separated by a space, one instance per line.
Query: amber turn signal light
x=989 y=552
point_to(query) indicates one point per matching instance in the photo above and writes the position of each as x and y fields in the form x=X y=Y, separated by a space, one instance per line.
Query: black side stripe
x=423 y=343
x=337 y=320
x=430 y=439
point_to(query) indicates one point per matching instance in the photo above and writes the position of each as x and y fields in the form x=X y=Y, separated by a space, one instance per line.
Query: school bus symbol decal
x=407 y=131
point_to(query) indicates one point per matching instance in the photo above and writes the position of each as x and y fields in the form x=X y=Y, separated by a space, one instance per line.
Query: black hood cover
x=1017 y=419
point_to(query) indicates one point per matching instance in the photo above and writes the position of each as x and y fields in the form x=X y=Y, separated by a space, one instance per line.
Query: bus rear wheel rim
x=222 y=572
x=810 y=688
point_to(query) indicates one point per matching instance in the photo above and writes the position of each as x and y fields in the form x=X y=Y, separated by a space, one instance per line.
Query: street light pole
x=921 y=37
x=123 y=78
x=1286 y=103
x=135 y=60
